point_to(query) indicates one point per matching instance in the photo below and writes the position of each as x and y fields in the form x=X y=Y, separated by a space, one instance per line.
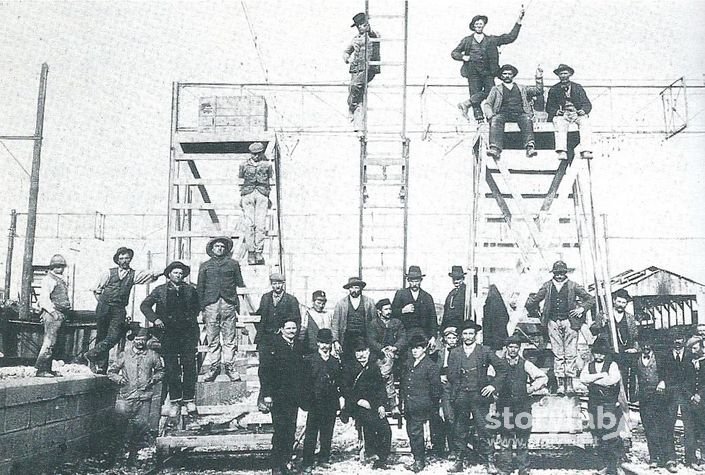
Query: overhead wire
x=19 y=164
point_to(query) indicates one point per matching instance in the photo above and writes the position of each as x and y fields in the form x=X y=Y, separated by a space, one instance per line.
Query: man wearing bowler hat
x=176 y=318
x=480 y=58
x=218 y=280
x=568 y=103
x=358 y=54
x=275 y=307
x=113 y=294
x=415 y=308
x=563 y=317
x=454 y=306
x=254 y=192
x=55 y=302
x=510 y=102
x=351 y=317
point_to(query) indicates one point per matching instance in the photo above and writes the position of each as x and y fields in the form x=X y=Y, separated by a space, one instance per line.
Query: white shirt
x=469 y=349
x=48 y=284
x=355 y=302
x=141 y=277
x=613 y=375
x=559 y=285
x=415 y=293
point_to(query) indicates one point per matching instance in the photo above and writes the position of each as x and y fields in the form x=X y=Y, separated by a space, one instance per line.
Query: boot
x=561 y=385
x=232 y=373
x=213 y=373
x=569 y=389
x=531 y=151
x=494 y=152
x=457 y=467
x=251 y=258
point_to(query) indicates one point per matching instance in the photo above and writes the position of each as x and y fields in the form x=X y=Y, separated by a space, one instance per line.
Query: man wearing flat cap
x=316 y=318
x=480 y=58
x=563 y=317
x=358 y=54
x=113 y=294
x=254 y=201
x=511 y=102
x=275 y=307
x=568 y=103
x=176 y=318
x=218 y=280
x=351 y=317
x=454 y=306
x=387 y=339
x=415 y=308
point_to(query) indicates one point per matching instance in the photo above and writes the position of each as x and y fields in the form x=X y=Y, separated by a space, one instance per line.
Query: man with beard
x=281 y=387
x=454 y=306
x=471 y=395
x=322 y=380
x=275 y=307
x=510 y=102
x=563 y=317
x=218 y=280
x=176 y=316
x=351 y=317
x=415 y=308
x=113 y=294
x=567 y=103
x=316 y=318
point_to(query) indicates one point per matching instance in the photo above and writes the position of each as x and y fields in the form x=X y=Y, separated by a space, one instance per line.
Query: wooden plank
x=236 y=408
x=249 y=441
x=204 y=193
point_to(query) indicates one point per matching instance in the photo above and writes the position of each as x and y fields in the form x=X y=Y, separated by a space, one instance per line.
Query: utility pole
x=10 y=249
x=27 y=271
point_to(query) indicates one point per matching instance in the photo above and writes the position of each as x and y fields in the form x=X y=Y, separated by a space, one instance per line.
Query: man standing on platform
x=54 y=302
x=218 y=280
x=254 y=190
x=113 y=294
x=351 y=317
x=415 y=308
x=316 y=318
x=563 y=317
x=567 y=104
x=275 y=307
x=454 y=306
x=358 y=55
x=176 y=318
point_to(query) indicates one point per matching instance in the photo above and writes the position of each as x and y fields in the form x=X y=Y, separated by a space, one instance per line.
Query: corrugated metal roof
x=631 y=277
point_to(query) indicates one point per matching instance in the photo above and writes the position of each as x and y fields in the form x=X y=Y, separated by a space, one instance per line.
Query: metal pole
x=27 y=271
x=10 y=247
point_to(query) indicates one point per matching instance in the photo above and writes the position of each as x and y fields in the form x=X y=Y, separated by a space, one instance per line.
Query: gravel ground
x=19 y=372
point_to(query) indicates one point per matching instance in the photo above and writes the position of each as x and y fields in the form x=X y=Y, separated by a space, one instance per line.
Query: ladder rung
x=372 y=207
x=384 y=161
x=387 y=246
x=386 y=63
x=387 y=183
x=382 y=268
x=380 y=177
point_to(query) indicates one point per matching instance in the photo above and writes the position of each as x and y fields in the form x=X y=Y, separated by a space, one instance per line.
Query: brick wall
x=44 y=420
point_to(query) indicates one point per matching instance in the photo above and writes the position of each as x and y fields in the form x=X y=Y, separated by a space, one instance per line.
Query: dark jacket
x=490 y=44
x=695 y=380
x=280 y=371
x=322 y=382
x=158 y=297
x=421 y=388
x=601 y=328
x=454 y=308
x=544 y=294
x=378 y=333
x=423 y=316
x=676 y=375
x=271 y=317
x=363 y=383
x=556 y=99
x=493 y=104
x=461 y=380
x=219 y=277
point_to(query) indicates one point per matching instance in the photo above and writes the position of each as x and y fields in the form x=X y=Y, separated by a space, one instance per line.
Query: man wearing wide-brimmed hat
x=480 y=58
x=176 y=318
x=351 y=317
x=454 y=306
x=358 y=55
x=568 y=103
x=55 y=302
x=218 y=280
x=113 y=294
x=415 y=307
x=254 y=192
x=563 y=317
x=274 y=307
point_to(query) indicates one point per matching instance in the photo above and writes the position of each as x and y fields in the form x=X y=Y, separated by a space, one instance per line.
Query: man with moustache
x=55 y=303
x=651 y=405
x=387 y=339
x=454 y=306
x=415 y=308
x=315 y=319
x=275 y=307
x=351 y=317
x=567 y=103
x=563 y=317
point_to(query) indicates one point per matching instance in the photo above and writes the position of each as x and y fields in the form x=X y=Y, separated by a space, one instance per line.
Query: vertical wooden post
x=27 y=271
x=10 y=249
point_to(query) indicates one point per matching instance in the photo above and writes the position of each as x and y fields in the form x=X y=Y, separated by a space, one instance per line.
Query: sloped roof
x=632 y=277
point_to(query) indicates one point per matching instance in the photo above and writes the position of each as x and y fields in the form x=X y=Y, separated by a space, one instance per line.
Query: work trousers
x=468 y=404
x=445 y=435
x=497 y=122
x=133 y=418
x=254 y=211
x=651 y=410
x=479 y=84
x=356 y=90
x=564 y=345
x=52 y=323
x=110 y=328
x=378 y=435
x=284 y=414
x=561 y=124
x=607 y=438
x=414 y=429
x=386 y=368
x=513 y=451
x=179 y=347
x=318 y=424
x=676 y=398
x=220 y=318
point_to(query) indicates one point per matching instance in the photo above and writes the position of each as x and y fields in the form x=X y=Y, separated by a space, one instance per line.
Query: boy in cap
x=275 y=307
x=218 y=280
x=254 y=192
x=316 y=318
x=358 y=54
x=568 y=103
x=176 y=318
x=421 y=392
x=322 y=380
x=54 y=302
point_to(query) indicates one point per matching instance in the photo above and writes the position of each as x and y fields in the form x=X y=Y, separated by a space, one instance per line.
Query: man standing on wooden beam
x=567 y=104
x=255 y=202
x=563 y=317
x=54 y=302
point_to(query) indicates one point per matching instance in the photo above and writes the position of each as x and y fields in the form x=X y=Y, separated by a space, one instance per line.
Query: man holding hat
x=358 y=54
x=351 y=317
x=275 y=307
x=218 y=280
x=510 y=102
x=55 y=302
x=254 y=192
x=415 y=308
x=563 y=317
x=387 y=339
x=176 y=317
x=316 y=318
x=480 y=58
x=322 y=381
x=568 y=103
x=454 y=306
x=113 y=294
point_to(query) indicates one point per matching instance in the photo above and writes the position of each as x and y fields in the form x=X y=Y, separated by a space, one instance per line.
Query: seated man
x=509 y=102
x=567 y=104
x=387 y=339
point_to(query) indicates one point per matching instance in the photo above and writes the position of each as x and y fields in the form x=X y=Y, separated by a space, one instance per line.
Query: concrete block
x=16 y=418
x=76 y=384
x=59 y=410
x=39 y=412
x=71 y=405
x=52 y=434
x=15 y=444
x=30 y=390
x=219 y=392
